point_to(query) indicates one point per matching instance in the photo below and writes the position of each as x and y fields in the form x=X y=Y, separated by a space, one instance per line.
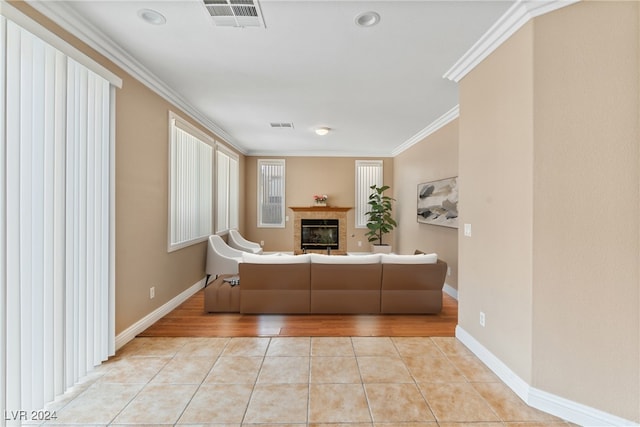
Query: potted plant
x=380 y=221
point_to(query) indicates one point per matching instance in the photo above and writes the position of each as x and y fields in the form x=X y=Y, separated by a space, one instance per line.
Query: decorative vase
x=320 y=203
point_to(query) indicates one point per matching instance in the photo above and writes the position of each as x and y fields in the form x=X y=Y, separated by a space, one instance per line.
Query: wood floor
x=190 y=320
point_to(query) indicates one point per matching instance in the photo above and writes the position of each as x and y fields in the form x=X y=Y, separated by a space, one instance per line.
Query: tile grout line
x=143 y=387
x=415 y=381
x=255 y=382
x=201 y=382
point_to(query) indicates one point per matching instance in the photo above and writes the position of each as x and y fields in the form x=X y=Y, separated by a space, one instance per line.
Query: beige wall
x=433 y=158
x=306 y=176
x=496 y=143
x=549 y=180
x=586 y=206
x=142 y=259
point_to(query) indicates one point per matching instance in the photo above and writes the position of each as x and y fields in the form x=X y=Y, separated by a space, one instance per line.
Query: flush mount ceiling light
x=152 y=17
x=322 y=131
x=367 y=19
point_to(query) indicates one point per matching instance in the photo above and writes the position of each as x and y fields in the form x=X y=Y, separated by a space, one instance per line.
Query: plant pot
x=381 y=249
x=321 y=203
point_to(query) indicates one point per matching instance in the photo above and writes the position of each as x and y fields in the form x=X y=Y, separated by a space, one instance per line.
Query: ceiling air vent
x=281 y=125
x=235 y=13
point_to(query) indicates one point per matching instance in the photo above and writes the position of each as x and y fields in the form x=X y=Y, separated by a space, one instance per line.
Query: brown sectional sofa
x=314 y=283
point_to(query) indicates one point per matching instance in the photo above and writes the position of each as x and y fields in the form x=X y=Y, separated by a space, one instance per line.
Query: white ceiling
x=376 y=88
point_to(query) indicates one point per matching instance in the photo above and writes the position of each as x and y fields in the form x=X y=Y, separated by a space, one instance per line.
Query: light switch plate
x=467 y=230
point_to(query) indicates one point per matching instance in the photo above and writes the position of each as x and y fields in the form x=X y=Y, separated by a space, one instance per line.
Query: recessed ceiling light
x=152 y=17
x=322 y=131
x=367 y=19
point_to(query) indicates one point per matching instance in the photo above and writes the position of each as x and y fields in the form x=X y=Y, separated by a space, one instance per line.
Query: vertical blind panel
x=37 y=70
x=13 y=365
x=222 y=217
x=55 y=121
x=234 y=193
x=227 y=190
x=87 y=221
x=3 y=219
x=191 y=188
x=368 y=173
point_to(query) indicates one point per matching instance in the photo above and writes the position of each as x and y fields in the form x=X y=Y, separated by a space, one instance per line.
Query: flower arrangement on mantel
x=320 y=199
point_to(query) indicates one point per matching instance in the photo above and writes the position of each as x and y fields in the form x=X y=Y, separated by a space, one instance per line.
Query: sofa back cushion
x=275 y=259
x=409 y=259
x=338 y=259
x=414 y=276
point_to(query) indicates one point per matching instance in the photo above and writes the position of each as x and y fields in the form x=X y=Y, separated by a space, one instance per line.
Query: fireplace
x=329 y=222
x=320 y=234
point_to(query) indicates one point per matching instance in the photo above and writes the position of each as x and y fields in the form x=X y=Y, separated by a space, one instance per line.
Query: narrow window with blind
x=271 y=185
x=228 y=188
x=368 y=173
x=191 y=184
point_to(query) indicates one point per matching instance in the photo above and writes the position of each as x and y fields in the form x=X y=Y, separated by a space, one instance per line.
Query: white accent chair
x=238 y=242
x=221 y=258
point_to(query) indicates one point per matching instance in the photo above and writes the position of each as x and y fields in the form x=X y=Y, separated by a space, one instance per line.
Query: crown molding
x=69 y=20
x=298 y=153
x=439 y=123
x=513 y=19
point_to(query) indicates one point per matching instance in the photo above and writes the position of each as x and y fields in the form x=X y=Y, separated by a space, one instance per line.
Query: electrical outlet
x=152 y=292
x=482 y=319
x=261 y=242
x=448 y=271
x=359 y=244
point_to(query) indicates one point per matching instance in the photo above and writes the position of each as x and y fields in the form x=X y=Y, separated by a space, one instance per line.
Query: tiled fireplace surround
x=320 y=212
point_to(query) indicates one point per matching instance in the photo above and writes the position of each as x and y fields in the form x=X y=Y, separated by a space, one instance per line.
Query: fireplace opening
x=320 y=233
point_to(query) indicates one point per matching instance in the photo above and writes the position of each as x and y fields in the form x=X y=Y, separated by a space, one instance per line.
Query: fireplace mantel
x=319 y=208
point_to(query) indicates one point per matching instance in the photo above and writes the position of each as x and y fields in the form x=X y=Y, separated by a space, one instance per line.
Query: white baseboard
x=130 y=333
x=451 y=291
x=555 y=405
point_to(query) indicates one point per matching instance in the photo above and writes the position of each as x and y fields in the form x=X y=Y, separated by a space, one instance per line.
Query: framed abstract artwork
x=438 y=202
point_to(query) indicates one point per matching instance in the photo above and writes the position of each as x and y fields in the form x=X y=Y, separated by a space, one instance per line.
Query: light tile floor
x=292 y=382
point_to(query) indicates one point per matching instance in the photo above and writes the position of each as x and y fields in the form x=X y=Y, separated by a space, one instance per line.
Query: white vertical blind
x=271 y=186
x=234 y=192
x=368 y=173
x=3 y=221
x=191 y=185
x=55 y=192
x=228 y=188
